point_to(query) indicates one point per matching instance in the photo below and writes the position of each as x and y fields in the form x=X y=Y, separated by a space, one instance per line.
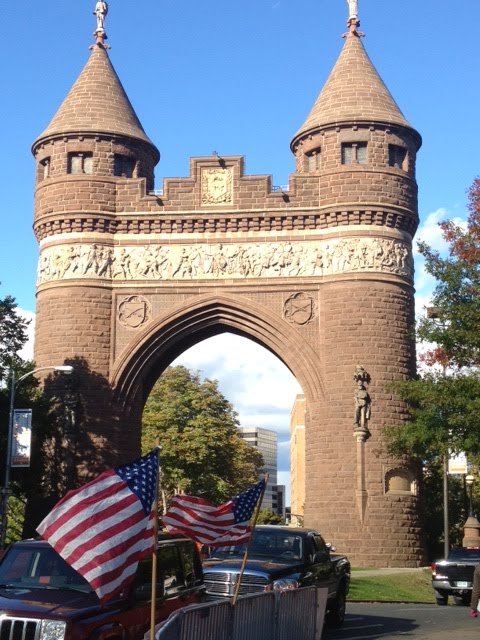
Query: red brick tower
x=320 y=274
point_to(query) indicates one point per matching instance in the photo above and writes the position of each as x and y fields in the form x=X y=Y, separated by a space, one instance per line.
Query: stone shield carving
x=299 y=308
x=134 y=311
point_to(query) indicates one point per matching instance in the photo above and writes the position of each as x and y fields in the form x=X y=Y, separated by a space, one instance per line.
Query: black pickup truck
x=281 y=558
x=454 y=576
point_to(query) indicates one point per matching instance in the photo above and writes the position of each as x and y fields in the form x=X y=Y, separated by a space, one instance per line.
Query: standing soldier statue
x=352 y=10
x=101 y=10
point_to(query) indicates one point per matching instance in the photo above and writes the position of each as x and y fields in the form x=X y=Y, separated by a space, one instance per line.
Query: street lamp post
x=435 y=314
x=67 y=369
x=469 y=480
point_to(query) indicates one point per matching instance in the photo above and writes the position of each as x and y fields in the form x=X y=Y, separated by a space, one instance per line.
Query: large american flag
x=104 y=528
x=214 y=526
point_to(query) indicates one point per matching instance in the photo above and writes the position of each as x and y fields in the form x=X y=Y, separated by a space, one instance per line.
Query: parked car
x=281 y=558
x=454 y=576
x=43 y=598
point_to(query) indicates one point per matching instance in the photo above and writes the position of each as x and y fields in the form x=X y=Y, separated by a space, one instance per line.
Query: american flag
x=104 y=528
x=214 y=526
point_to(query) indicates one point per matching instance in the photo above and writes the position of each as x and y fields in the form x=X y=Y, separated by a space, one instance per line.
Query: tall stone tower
x=320 y=274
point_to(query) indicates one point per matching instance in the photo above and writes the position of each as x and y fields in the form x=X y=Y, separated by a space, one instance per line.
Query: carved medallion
x=299 y=308
x=134 y=311
x=217 y=186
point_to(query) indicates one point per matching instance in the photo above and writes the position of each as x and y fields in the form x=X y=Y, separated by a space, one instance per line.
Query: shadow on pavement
x=370 y=627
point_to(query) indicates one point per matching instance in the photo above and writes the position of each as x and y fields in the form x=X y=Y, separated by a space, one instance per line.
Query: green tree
x=196 y=427
x=267 y=516
x=444 y=404
x=13 y=334
x=457 y=293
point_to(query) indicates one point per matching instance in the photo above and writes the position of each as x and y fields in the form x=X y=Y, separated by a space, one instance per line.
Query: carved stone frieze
x=217 y=261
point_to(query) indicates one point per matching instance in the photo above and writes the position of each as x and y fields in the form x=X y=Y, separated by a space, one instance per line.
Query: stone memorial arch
x=320 y=273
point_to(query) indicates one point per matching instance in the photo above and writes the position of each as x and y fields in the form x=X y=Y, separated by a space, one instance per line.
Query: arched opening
x=260 y=387
x=261 y=364
x=163 y=340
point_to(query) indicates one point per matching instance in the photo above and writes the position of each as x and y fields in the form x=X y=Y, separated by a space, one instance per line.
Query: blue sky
x=238 y=78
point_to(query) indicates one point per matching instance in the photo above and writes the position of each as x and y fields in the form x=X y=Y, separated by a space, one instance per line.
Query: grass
x=398 y=587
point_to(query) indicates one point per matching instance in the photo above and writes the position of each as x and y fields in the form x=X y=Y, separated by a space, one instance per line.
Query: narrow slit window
x=80 y=163
x=313 y=159
x=44 y=169
x=123 y=166
x=397 y=156
x=354 y=153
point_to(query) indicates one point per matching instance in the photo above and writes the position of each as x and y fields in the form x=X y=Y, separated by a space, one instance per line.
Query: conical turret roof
x=97 y=103
x=354 y=92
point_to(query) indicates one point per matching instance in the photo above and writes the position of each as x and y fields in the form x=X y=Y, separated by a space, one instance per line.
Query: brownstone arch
x=141 y=363
x=319 y=272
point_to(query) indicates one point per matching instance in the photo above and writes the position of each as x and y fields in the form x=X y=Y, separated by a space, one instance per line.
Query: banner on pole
x=457 y=465
x=21 y=438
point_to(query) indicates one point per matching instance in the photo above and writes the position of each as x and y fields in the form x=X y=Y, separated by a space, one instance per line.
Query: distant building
x=265 y=440
x=297 y=459
x=279 y=504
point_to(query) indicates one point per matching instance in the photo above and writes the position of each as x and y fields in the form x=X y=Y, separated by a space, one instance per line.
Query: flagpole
x=154 y=560
x=245 y=555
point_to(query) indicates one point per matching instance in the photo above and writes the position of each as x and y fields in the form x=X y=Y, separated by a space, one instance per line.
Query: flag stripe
x=214 y=526
x=104 y=528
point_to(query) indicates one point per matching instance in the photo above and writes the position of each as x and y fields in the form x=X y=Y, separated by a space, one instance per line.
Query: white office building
x=265 y=440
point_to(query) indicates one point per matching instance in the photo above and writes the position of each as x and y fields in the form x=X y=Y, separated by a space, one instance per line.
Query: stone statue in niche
x=363 y=404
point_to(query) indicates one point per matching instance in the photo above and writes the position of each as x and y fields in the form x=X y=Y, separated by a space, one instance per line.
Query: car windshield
x=39 y=567
x=274 y=545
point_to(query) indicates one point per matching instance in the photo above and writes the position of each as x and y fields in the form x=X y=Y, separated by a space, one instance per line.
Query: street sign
x=21 y=438
x=457 y=465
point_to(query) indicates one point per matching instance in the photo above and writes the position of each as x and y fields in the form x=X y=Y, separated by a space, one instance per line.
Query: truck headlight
x=52 y=630
x=284 y=584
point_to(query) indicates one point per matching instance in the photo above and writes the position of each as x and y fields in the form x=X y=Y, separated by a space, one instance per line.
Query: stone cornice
x=233 y=222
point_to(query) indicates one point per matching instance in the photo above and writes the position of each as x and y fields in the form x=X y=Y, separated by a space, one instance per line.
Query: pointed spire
x=97 y=103
x=354 y=92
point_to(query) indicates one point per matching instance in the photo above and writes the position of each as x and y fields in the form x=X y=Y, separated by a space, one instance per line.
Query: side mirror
x=330 y=547
x=320 y=557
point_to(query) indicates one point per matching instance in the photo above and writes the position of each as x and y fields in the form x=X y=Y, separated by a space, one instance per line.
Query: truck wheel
x=441 y=599
x=336 y=614
x=462 y=600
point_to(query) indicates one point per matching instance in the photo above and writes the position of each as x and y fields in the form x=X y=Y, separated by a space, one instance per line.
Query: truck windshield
x=273 y=545
x=39 y=568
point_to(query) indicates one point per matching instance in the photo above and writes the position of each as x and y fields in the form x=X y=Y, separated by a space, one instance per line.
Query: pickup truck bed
x=454 y=576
